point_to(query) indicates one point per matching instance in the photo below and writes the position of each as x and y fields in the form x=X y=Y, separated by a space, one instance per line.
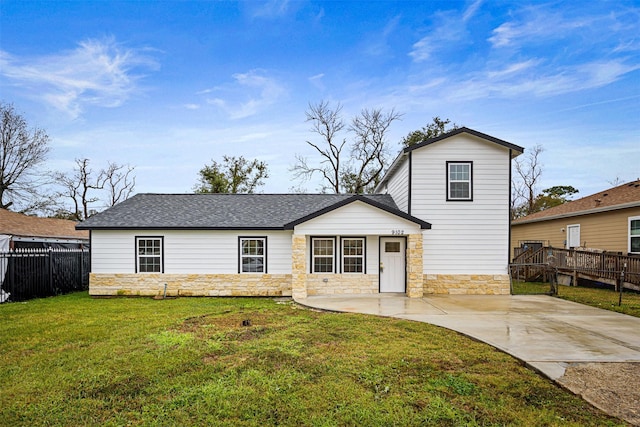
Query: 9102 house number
x=397 y=232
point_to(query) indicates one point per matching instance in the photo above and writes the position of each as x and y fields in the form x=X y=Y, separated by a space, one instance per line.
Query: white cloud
x=97 y=72
x=450 y=28
x=250 y=93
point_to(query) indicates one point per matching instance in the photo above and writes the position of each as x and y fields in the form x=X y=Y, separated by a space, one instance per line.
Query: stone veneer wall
x=415 y=284
x=152 y=284
x=341 y=284
x=467 y=284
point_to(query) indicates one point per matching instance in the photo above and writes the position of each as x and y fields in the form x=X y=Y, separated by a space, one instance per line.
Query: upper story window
x=323 y=255
x=460 y=181
x=149 y=252
x=253 y=254
x=353 y=255
x=634 y=234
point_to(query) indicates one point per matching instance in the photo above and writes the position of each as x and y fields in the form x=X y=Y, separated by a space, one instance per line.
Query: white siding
x=466 y=237
x=398 y=185
x=188 y=251
x=356 y=219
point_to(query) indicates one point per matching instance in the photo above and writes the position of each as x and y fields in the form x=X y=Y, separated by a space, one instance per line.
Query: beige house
x=608 y=220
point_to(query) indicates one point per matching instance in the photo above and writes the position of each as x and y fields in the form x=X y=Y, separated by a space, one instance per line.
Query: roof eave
x=578 y=213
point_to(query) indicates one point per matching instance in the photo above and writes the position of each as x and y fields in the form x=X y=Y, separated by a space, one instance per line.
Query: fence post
x=621 y=284
x=50 y=258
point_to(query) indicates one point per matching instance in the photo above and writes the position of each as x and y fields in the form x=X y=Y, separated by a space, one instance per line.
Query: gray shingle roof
x=227 y=211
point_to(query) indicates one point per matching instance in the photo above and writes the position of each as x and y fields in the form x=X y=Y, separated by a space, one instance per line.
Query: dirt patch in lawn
x=612 y=387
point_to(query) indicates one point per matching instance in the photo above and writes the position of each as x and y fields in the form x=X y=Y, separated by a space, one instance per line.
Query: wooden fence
x=36 y=273
x=611 y=268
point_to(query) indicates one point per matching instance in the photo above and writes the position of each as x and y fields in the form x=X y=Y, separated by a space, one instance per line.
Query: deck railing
x=600 y=266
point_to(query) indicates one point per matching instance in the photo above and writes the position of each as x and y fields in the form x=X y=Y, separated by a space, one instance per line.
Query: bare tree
x=21 y=150
x=84 y=187
x=120 y=182
x=528 y=171
x=369 y=152
x=361 y=171
x=327 y=123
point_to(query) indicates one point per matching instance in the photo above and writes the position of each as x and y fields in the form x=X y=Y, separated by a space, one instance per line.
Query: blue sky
x=167 y=86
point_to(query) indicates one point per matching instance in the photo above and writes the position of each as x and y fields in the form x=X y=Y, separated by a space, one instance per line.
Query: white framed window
x=253 y=255
x=460 y=181
x=323 y=259
x=353 y=254
x=634 y=234
x=149 y=254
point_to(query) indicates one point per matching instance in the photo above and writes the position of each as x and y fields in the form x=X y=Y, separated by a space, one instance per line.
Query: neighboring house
x=608 y=220
x=23 y=231
x=439 y=224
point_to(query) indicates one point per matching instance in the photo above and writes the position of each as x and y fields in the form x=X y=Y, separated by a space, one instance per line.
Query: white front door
x=392 y=264
x=573 y=236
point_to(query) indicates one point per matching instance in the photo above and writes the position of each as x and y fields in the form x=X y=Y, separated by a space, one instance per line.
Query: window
x=634 y=235
x=353 y=255
x=323 y=255
x=392 y=247
x=459 y=181
x=253 y=254
x=149 y=254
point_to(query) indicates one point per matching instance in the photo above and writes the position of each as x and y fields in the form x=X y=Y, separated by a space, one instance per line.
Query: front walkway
x=547 y=333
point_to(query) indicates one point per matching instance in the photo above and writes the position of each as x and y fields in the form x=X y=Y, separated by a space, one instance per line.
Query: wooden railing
x=611 y=268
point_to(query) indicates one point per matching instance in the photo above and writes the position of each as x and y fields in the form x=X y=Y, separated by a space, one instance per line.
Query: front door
x=573 y=236
x=392 y=264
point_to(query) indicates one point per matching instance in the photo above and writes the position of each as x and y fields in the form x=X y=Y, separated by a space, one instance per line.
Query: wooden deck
x=613 y=269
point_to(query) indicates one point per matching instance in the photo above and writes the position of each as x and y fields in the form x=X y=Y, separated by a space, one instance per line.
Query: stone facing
x=467 y=284
x=210 y=285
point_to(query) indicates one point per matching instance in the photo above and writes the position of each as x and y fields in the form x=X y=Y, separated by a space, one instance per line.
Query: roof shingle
x=625 y=195
x=221 y=211
x=17 y=224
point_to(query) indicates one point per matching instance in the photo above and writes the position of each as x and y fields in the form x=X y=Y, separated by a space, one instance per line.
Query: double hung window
x=149 y=254
x=323 y=255
x=634 y=235
x=353 y=255
x=459 y=181
x=253 y=254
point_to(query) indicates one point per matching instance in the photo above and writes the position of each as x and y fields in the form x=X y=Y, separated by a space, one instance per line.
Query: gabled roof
x=517 y=150
x=620 y=197
x=475 y=133
x=229 y=211
x=17 y=224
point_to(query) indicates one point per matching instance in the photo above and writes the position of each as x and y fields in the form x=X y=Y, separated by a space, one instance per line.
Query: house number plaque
x=397 y=232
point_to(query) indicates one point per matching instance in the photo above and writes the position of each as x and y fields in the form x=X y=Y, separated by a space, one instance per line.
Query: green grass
x=595 y=297
x=73 y=360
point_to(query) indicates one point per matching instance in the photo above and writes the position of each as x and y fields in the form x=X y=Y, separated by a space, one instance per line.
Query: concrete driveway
x=546 y=333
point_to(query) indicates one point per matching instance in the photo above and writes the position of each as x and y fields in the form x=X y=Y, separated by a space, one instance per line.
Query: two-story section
x=461 y=182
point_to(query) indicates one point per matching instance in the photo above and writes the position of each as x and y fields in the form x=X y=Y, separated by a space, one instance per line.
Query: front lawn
x=74 y=360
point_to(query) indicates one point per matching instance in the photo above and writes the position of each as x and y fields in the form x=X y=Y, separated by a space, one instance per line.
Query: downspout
x=509 y=218
x=409 y=182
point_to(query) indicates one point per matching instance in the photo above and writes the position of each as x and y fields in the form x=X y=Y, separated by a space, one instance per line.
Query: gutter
x=579 y=213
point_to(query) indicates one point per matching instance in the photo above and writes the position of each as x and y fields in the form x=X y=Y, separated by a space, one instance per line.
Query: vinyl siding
x=607 y=231
x=398 y=186
x=467 y=237
x=356 y=219
x=190 y=251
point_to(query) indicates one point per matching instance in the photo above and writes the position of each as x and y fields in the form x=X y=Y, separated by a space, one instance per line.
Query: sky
x=169 y=86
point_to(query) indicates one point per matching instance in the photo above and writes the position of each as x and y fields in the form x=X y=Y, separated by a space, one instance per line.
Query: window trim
x=448 y=174
x=334 y=264
x=264 y=255
x=631 y=218
x=363 y=256
x=137 y=255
